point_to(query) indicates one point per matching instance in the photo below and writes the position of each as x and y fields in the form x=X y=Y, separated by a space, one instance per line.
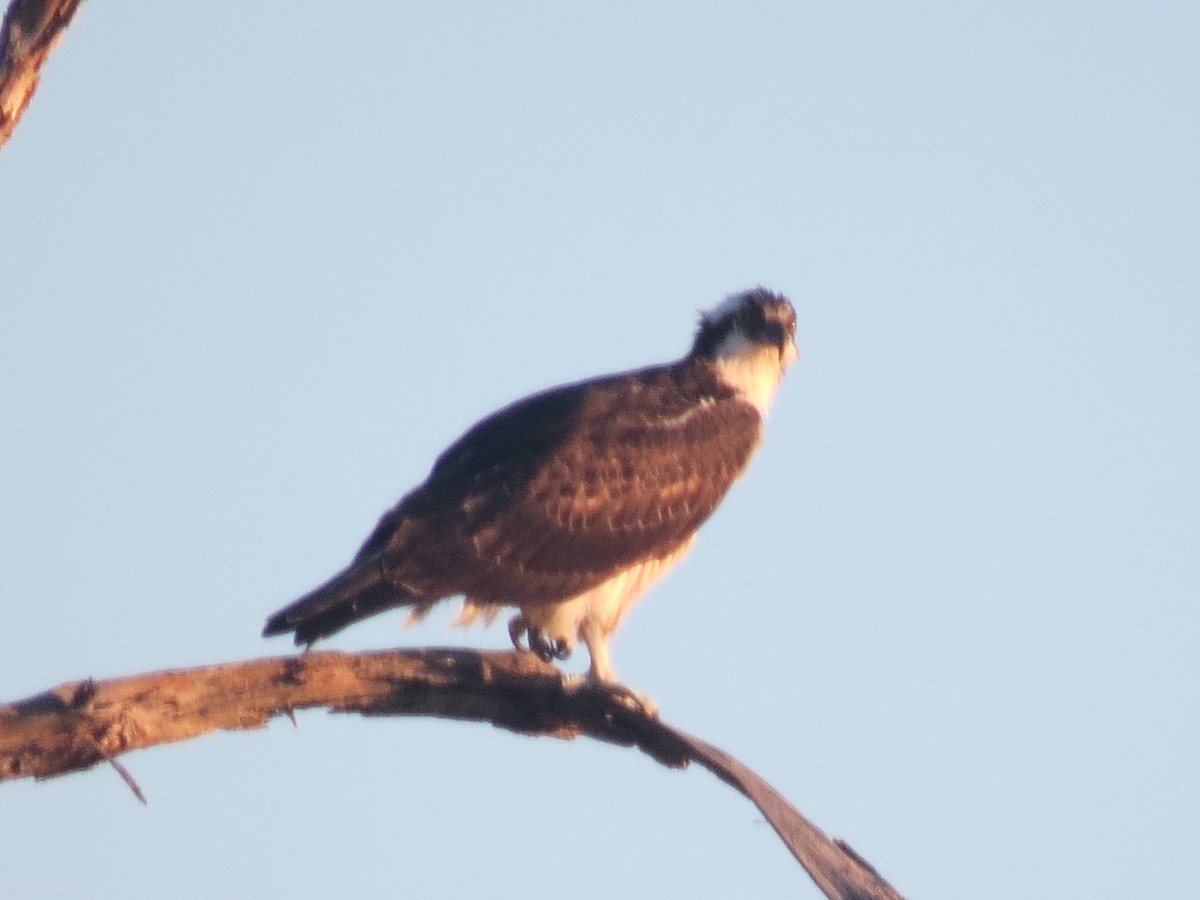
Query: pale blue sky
x=262 y=262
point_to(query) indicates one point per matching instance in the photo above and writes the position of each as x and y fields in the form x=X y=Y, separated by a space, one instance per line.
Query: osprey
x=569 y=504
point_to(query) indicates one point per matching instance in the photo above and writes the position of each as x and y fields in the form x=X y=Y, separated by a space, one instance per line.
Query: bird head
x=750 y=339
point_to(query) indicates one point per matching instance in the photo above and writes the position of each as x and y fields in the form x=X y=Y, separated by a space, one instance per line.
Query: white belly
x=605 y=605
x=590 y=617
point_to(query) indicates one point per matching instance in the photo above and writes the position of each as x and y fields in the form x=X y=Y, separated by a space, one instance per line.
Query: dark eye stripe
x=767 y=332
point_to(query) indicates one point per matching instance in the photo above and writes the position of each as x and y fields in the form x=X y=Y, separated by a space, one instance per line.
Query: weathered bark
x=77 y=725
x=31 y=29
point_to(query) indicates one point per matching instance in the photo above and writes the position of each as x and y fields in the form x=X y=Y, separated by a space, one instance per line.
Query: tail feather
x=351 y=595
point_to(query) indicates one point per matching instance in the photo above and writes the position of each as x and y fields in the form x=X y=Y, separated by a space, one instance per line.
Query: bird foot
x=530 y=639
x=614 y=690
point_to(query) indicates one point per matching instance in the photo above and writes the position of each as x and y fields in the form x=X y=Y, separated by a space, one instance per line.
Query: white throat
x=752 y=370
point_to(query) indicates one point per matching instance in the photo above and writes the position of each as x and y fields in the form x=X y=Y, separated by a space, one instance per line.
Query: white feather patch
x=752 y=369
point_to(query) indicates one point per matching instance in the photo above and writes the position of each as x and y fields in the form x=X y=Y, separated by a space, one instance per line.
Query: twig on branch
x=77 y=725
x=30 y=30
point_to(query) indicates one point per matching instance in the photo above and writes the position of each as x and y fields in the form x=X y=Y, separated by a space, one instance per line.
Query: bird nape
x=569 y=504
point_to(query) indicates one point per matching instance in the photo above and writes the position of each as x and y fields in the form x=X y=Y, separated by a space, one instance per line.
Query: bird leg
x=596 y=638
x=630 y=698
x=602 y=675
x=532 y=639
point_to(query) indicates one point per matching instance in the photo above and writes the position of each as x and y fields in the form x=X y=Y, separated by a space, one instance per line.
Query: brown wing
x=558 y=492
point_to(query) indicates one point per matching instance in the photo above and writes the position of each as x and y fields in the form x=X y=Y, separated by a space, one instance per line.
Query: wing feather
x=558 y=492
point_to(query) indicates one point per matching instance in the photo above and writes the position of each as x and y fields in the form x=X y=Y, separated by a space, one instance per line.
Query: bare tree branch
x=31 y=29
x=79 y=724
